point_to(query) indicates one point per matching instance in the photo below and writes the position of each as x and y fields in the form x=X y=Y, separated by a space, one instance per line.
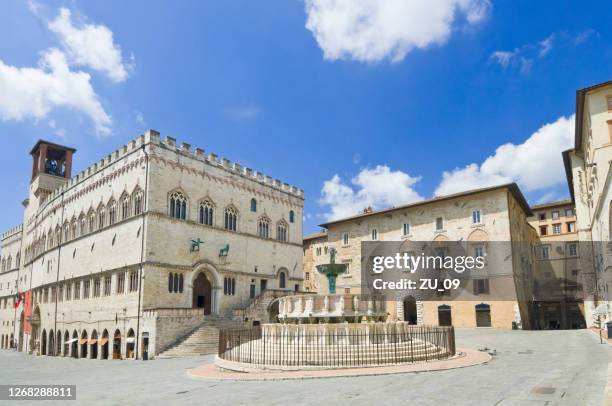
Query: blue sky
x=359 y=103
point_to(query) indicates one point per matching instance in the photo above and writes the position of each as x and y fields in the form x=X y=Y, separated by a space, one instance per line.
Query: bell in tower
x=51 y=166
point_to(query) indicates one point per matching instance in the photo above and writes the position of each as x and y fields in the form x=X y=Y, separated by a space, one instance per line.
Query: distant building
x=315 y=250
x=134 y=252
x=558 y=302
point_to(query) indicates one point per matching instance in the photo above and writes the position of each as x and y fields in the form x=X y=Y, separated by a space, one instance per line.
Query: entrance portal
x=202 y=293
x=410 y=310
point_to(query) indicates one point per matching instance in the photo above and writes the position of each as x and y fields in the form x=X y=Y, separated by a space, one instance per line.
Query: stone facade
x=557 y=271
x=589 y=172
x=141 y=246
x=502 y=216
x=315 y=250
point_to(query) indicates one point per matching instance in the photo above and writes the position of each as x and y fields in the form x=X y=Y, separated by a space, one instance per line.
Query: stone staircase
x=203 y=340
x=257 y=312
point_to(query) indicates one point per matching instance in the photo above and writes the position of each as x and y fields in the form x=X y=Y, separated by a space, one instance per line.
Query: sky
x=359 y=102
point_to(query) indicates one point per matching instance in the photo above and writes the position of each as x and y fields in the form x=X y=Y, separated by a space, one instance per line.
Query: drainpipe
x=142 y=247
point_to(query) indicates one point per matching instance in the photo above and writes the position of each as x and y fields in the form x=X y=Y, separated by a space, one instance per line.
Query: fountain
x=332 y=331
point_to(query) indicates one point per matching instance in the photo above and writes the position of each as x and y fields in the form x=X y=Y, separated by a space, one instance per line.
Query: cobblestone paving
x=529 y=368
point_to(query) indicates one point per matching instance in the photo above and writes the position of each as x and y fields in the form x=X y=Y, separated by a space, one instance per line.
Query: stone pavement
x=529 y=368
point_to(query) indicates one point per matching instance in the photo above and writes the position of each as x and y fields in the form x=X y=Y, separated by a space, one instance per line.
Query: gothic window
x=206 y=213
x=92 y=222
x=282 y=280
x=181 y=281
x=83 y=222
x=263 y=227
x=58 y=235
x=18 y=260
x=231 y=217
x=121 y=283
x=281 y=231
x=137 y=200
x=74 y=229
x=125 y=207
x=170 y=282
x=178 y=206
x=101 y=218
x=66 y=232
x=253 y=205
x=291 y=216
x=112 y=212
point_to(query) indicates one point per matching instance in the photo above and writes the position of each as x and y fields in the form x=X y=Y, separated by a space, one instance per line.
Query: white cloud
x=503 y=57
x=140 y=118
x=374 y=30
x=33 y=92
x=546 y=45
x=245 y=112
x=378 y=187
x=90 y=45
x=534 y=164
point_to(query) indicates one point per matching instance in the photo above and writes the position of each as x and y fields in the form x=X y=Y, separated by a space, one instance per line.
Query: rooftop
x=564 y=202
x=512 y=188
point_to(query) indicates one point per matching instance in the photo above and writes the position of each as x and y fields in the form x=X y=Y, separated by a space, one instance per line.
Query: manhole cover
x=543 y=390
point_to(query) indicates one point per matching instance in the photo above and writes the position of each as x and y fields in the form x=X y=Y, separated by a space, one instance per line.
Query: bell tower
x=51 y=167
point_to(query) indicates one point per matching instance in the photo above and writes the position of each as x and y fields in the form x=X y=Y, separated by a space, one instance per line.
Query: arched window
x=83 y=224
x=206 y=212
x=18 y=260
x=178 y=206
x=181 y=283
x=291 y=216
x=112 y=212
x=101 y=218
x=282 y=280
x=125 y=207
x=66 y=232
x=231 y=217
x=175 y=288
x=3 y=264
x=170 y=282
x=58 y=235
x=137 y=202
x=253 y=205
x=92 y=222
x=74 y=229
x=263 y=227
x=281 y=231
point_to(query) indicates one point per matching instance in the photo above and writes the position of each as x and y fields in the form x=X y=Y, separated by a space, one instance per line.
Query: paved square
x=529 y=368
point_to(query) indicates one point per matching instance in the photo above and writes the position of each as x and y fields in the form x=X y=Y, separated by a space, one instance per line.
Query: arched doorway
x=66 y=344
x=74 y=350
x=83 y=343
x=202 y=293
x=444 y=315
x=58 y=344
x=12 y=341
x=483 y=315
x=104 y=344
x=410 y=310
x=43 y=345
x=93 y=345
x=130 y=344
x=35 y=323
x=117 y=345
x=51 y=343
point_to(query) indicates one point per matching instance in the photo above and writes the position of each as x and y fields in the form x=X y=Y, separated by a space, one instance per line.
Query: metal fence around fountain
x=353 y=348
